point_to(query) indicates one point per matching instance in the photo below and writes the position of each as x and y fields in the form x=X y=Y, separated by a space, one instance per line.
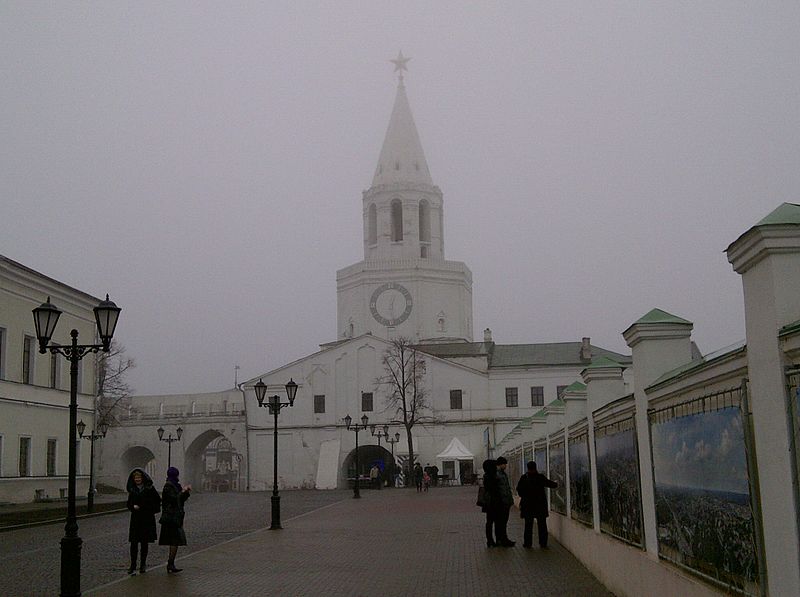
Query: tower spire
x=401 y=159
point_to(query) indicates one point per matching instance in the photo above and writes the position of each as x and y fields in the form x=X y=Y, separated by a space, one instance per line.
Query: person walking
x=144 y=503
x=172 y=499
x=418 y=474
x=489 y=490
x=533 y=504
x=375 y=477
x=502 y=501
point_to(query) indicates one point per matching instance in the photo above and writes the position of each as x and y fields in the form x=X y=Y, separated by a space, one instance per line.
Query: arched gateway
x=367 y=456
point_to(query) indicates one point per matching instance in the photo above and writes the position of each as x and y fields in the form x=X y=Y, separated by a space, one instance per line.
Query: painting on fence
x=703 y=508
x=580 y=479
x=558 y=469
x=619 y=494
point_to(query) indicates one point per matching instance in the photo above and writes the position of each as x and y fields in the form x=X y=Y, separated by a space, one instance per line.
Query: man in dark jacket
x=502 y=504
x=533 y=504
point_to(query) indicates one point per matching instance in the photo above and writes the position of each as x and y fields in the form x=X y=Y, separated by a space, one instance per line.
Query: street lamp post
x=348 y=420
x=379 y=432
x=45 y=318
x=92 y=437
x=393 y=441
x=275 y=405
x=169 y=439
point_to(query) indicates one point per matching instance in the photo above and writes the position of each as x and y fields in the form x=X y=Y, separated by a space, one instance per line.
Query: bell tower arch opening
x=397 y=220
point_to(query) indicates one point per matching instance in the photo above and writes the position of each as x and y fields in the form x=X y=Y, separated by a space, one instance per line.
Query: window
x=397 y=220
x=560 y=390
x=2 y=353
x=319 y=403
x=512 y=397
x=78 y=456
x=424 y=222
x=51 y=457
x=27 y=360
x=366 y=401
x=372 y=225
x=55 y=370
x=537 y=396
x=455 y=400
x=79 y=377
x=24 y=457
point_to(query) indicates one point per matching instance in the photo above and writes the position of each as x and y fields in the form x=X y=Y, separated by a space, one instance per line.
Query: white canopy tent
x=455 y=452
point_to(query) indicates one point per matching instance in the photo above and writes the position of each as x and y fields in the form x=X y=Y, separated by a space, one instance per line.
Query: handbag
x=482 y=501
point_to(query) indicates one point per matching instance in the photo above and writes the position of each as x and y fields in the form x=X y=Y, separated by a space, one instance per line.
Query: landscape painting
x=703 y=508
x=619 y=492
x=540 y=458
x=558 y=469
x=580 y=479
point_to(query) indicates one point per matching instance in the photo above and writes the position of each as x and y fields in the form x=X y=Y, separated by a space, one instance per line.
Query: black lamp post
x=379 y=432
x=275 y=405
x=169 y=439
x=45 y=318
x=348 y=420
x=393 y=441
x=92 y=437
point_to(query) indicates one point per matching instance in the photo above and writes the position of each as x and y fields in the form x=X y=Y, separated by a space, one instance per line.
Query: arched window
x=372 y=224
x=397 y=220
x=424 y=221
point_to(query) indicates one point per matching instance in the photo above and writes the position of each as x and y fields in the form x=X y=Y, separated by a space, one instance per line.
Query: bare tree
x=403 y=384
x=113 y=391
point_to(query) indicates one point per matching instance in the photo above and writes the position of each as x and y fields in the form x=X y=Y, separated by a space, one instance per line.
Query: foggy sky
x=203 y=163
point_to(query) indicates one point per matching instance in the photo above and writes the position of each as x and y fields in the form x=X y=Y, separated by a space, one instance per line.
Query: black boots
x=132 y=569
x=171 y=567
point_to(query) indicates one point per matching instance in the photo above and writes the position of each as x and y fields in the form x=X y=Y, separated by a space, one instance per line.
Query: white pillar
x=660 y=342
x=768 y=258
x=604 y=384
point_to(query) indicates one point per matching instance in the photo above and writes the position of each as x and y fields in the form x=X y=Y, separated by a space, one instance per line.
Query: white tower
x=404 y=286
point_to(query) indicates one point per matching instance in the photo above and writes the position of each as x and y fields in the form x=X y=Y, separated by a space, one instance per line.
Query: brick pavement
x=391 y=542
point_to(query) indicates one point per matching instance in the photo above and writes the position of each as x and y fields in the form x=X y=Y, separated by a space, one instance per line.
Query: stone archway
x=367 y=456
x=138 y=457
x=212 y=463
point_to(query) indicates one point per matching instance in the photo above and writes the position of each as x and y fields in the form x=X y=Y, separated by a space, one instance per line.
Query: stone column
x=660 y=342
x=768 y=258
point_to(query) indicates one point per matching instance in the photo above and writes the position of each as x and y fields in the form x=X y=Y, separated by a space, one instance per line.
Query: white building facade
x=34 y=388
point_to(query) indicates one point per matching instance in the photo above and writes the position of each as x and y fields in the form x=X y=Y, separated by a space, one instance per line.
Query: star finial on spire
x=400 y=63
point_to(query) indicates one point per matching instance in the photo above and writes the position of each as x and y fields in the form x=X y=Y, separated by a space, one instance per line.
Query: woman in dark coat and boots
x=490 y=493
x=533 y=504
x=144 y=503
x=172 y=500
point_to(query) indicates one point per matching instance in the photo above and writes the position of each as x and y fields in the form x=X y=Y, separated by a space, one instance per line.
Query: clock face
x=390 y=304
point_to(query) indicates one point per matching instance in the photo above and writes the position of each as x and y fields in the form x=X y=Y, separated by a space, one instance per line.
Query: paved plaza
x=390 y=542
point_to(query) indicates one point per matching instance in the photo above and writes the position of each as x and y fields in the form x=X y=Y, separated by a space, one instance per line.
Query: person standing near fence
x=489 y=490
x=172 y=499
x=533 y=504
x=502 y=500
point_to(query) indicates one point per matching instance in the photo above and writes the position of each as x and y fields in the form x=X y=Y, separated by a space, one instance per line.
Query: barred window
x=512 y=397
x=455 y=400
x=366 y=401
x=319 y=403
x=51 y=457
x=537 y=396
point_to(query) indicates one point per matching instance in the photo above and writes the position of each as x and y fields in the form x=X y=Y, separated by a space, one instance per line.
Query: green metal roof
x=557 y=403
x=786 y=213
x=790 y=329
x=604 y=363
x=659 y=316
x=699 y=362
x=555 y=353
x=575 y=386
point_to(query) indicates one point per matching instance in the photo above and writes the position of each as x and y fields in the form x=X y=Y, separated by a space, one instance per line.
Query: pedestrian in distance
x=435 y=475
x=502 y=501
x=489 y=489
x=144 y=503
x=172 y=499
x=533 y=504
x=418 y=474
x=375 y=477
x=426 y=481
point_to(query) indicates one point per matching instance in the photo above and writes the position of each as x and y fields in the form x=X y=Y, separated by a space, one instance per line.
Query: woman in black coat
x=144 y=503
x=533 y=504
x=172 y=500
x=491 y=495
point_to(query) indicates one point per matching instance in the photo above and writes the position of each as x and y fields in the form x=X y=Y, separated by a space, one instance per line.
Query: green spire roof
x=659 y=316
x=786 y=213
